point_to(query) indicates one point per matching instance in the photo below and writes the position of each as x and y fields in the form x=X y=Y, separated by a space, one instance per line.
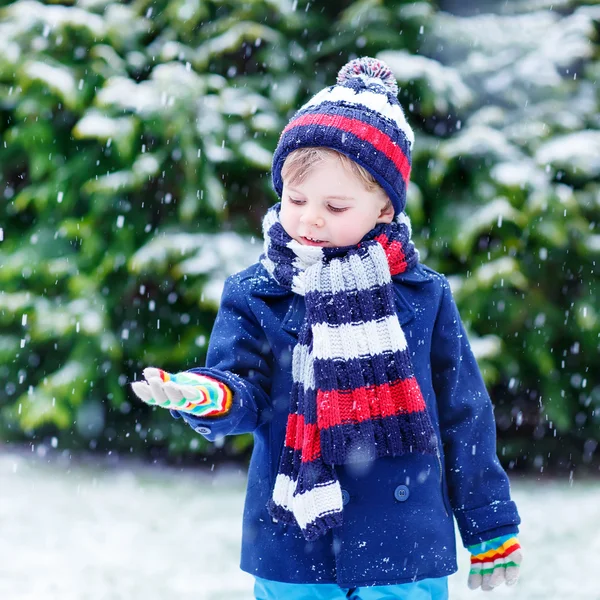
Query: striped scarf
x=354 y=394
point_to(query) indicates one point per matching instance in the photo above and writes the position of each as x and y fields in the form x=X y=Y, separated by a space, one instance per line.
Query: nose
x=312 y=217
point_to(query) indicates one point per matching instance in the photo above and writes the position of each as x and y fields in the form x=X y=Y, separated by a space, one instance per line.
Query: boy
x=347 y=360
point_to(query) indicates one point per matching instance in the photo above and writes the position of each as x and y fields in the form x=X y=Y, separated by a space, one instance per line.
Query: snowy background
x=77 y=531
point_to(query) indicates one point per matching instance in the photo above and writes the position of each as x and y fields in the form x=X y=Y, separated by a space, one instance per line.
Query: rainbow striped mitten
x=495 y=561
x=198 y=395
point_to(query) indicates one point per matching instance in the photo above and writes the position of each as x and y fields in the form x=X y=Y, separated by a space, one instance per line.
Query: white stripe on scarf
x=303 y=370
x=349 y=275
x=308 y=506
x=349 y=340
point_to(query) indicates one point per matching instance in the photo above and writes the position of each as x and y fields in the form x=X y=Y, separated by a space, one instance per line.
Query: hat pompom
x=370 y=68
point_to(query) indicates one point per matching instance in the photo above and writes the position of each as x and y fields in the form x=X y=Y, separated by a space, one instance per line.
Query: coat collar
x=265 y=286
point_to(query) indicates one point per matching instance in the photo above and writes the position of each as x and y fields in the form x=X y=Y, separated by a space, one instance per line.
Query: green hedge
x=136 y=144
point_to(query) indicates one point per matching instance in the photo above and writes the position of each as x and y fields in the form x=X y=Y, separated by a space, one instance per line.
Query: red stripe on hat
x=303 y=436
x=395 y=254
x=337 y=407
x=377 y=138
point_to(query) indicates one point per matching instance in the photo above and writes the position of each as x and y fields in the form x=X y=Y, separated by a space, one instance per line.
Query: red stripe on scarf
x=363 y=131
x=497 y=556
x=337 y=407
x=303 y=436
x=395 y=254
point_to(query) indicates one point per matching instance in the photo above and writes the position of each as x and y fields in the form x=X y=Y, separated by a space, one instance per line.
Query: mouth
x=312 y=241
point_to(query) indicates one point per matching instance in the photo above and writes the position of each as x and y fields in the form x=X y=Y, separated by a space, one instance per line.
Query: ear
x=386 y=215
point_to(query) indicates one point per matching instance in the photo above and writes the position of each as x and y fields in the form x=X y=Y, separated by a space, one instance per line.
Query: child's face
x=331 y=207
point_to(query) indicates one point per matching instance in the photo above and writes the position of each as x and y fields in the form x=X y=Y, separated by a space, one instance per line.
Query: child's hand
x=495 y=561
x=198 y=395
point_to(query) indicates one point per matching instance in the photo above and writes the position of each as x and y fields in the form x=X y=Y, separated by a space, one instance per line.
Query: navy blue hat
x=360 y=117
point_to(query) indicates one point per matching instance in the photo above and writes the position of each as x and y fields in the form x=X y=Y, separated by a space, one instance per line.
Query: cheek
x=355 y=227
x=348 y=231
x=286 y=217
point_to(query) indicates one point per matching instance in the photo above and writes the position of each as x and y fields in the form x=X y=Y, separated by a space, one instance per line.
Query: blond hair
x=299 y=164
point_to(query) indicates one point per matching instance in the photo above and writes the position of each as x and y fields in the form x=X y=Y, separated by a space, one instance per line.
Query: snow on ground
x=71 y=531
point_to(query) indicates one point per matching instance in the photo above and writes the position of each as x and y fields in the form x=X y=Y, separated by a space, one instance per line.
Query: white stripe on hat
x=374 y=101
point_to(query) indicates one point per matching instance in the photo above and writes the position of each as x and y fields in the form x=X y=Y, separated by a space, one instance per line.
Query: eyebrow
x=334 y=197
x=331 y=197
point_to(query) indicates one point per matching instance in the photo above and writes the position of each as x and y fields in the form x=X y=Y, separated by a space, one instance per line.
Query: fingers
x=142 y=390
x=175 y=394
x=152 y=372
x=494 y=562
x=497 y=577
x=192 y=393
x=512 y=575
x=486 y=584
x=158 y=392
x=160 y=388
x=489 y=581
x=475 y=580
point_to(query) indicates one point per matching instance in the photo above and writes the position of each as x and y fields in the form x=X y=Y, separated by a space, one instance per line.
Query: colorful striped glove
x=495 y=561
x=198 y=395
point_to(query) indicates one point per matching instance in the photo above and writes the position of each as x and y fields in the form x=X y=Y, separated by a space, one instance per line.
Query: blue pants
x=427 y=589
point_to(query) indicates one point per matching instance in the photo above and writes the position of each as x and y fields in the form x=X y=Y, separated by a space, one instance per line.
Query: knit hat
x=360 y=117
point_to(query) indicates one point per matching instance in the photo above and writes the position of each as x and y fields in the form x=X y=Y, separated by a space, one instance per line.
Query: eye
x=335 y=209
x=295 y=201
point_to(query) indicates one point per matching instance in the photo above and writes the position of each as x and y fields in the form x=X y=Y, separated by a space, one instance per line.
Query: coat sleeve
x=239 y=356
x=477 y=484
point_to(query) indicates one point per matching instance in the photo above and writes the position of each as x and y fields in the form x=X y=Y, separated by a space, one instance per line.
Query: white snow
x=256 y=155
x=216 y=255
x=28 y=12
x=445 y=82
x=123 y=93
x=576 y=152
x=521 y=56
x=523 y=174
x=593 y=243
x=59 y=79
x=97 y=125
x=487 y=346
x=491 y=272
x=14 y=302
x=484 y=219
x=9 y=50
x=480 y=141
x=132 y=531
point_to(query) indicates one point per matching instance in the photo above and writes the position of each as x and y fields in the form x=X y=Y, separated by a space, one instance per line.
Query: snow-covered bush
x=136 y=143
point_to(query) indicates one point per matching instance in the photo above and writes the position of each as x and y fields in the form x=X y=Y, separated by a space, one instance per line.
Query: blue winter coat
x=398 y=524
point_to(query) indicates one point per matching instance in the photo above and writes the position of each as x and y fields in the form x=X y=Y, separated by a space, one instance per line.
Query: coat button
x=401 y=493
x=203 y=430
x=345 y=497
